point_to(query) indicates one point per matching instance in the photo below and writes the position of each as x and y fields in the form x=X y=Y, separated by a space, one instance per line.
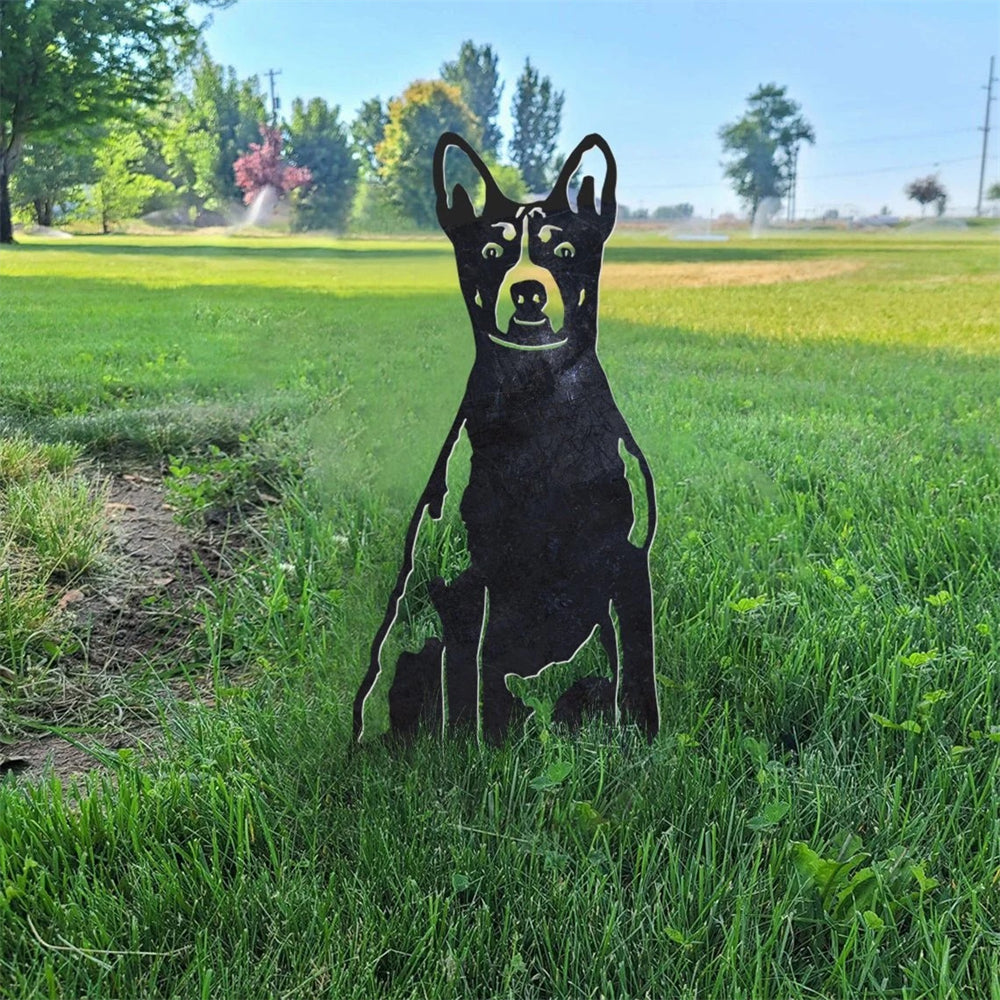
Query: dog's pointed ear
x=461 y=211
x=558 y=200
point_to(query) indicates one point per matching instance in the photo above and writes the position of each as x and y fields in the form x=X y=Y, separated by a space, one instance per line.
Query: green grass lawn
x=819 y=816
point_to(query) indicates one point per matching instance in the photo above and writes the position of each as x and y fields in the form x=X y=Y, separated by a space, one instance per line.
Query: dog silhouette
x=548 y=508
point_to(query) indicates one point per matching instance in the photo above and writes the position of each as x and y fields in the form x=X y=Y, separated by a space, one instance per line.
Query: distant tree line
x=99 y=132
x=665 y=212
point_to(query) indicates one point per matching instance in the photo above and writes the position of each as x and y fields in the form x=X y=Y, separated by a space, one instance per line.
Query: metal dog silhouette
x=548 y=508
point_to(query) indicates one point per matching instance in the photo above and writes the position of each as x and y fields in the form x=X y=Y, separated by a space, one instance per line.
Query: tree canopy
x=52 y=172
x=263 y=166
x=318 y=140
x=209 y=125
x=761 y=145
x=367 y=131
x=537 y=112
x=77 y=64
x=114 y=108
x=926 y=190
x=474 y=72
x=122 y=186
x=416 y=120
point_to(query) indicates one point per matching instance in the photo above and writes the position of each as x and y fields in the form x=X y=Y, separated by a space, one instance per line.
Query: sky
x=894 y=90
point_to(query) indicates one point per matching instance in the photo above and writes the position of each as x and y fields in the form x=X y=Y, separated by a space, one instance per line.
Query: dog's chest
x=549 y=426
x=546 y=464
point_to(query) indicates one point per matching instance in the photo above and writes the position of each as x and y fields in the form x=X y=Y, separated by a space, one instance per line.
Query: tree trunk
x=43 y=211
x=6 y=227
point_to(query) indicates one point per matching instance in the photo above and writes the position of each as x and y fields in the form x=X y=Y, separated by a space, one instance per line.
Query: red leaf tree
x=262 y=166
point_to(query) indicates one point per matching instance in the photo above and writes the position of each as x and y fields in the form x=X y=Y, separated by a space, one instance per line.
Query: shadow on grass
x=266 y=248
x=714 y=253
x=170 y=369
x=435 y=247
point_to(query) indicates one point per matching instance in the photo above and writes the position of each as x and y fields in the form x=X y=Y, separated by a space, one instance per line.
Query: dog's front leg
x=633 y=605
x=461 y=605
x=431 y=502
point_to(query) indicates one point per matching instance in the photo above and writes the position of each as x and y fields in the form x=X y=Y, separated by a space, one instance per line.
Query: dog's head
x=566 y=242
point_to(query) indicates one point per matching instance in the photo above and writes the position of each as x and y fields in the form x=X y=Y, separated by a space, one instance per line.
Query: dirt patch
x=131 y=627
x=141 y=608
x=632 y=277
x=64 y=758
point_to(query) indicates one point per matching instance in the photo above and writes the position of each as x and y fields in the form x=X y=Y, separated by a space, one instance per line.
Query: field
x=819 y=816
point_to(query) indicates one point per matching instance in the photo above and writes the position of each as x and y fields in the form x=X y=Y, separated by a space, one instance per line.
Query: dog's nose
x=528 y=296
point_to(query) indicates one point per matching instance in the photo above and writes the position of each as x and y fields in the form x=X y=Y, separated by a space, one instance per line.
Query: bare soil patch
x=137 y=611
x=632 y=277
x=135 y=618
x=36 y=757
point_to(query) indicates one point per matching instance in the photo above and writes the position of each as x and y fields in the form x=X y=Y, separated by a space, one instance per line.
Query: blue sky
x=894 y=90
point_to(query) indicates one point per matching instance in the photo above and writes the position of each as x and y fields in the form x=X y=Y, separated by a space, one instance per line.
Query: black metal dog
x=548 y=508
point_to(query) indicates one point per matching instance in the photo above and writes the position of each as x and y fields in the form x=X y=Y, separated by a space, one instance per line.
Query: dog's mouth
x=529 y=328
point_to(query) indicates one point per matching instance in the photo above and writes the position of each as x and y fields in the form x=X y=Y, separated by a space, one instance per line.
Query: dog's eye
x=565 y=250
x=492 y=250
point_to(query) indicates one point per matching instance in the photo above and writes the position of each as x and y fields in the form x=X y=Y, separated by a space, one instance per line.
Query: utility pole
x=985 y=129
x=275 y=101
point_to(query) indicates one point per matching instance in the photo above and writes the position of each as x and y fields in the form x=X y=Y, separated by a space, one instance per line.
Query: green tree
x=69 y=65
x=123 y=189
x=416 y=120
x=210 y=126
x=508 y=179
x=367 y=131
x=926 y=190
x=51 y=173
x=318 y=140
x=537 y=112
x=474 y=72
x=762 y=145
x=993 y=192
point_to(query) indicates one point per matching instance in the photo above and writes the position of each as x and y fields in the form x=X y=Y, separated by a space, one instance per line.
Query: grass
x=820 y=814
x=53 y=528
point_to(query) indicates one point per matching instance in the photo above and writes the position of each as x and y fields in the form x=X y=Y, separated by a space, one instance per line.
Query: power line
x=823 y=177
x=900 y=138
x=841 y=142
x=889 y=170
x=986 y=136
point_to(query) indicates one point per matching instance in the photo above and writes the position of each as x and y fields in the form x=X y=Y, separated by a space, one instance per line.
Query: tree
x=763 y=144
x=475 y=75
x=537 y=113
x=925 y=190
x=262 y=166
x=508 y=179
x=69 y=65
x=122 y=188
x=209 y=127
x=52 y=172
x=317 y=140
x=993 y=192
x=682 y=211
x=367 y=131
x=416 y=120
